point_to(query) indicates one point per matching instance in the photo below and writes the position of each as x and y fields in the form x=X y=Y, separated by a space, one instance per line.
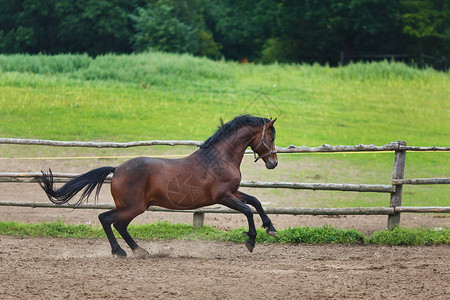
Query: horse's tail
x=87 y=181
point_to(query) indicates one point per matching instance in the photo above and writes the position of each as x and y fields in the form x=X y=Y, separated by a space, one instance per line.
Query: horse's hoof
x=272 y=233
x=250 y=245
x=119 y=253
x=140 y=253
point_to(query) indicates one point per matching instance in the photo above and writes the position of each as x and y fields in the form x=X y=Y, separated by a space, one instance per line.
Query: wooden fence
x=395 y=189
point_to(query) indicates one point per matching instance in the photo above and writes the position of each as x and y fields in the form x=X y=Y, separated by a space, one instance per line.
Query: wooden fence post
x=199 y=218
x=398 y=173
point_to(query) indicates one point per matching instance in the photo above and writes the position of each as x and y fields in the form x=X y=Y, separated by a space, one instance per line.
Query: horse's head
x=264 y=145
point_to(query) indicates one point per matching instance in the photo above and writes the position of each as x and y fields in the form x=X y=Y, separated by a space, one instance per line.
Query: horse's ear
x=270 y=123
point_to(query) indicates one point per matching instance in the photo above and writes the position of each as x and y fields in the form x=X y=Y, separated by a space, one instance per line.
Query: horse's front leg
x=267 y=223
x=235 y=203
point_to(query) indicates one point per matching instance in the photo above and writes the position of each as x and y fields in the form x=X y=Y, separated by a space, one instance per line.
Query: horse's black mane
x=229 y=128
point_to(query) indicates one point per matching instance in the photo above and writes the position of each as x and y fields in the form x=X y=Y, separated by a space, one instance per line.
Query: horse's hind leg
x=122 y=229
x=267 y=223
x=107 y=219
x=121 y=220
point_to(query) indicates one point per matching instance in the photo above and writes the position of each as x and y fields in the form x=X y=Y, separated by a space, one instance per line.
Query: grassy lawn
x=307 y=235
x=164 y=96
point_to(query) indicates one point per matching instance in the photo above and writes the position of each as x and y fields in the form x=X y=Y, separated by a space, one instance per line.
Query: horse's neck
x=233 y=147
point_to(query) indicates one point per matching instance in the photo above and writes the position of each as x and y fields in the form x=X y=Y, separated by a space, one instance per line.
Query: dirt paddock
x=54 y=268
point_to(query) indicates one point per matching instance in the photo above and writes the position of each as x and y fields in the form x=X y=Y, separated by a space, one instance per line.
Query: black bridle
x=262 y=143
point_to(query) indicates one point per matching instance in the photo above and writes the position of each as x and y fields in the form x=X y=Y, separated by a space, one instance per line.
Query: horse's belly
x=180 y=201
x=181 y=191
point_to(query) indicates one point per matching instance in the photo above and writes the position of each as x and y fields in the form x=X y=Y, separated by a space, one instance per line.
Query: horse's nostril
x=271 y=164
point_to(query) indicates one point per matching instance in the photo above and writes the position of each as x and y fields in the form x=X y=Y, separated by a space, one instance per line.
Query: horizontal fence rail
x=33 y=177
x=222 y=210
x=98 y=144
x=394 y=189
x=269 y=210
x=393 y=146
x=374 y=188
x=417 y=181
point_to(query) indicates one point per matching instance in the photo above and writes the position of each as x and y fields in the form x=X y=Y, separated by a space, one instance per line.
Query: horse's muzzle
x=271 y=163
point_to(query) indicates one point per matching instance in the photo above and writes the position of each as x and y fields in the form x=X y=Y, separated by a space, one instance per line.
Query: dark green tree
x=428 y=23
x=27 y=26
x=322 y=31
x=174 y=26
x=301 y=33
x=356 y=22
x=52 y=26
x=94 y=27
x=241 y=27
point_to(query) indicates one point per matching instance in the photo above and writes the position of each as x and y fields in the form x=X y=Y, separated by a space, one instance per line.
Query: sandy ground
x=51 y=268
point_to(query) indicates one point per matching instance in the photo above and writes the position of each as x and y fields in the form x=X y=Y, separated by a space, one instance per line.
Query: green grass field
x=165 y=96
x=308 y=235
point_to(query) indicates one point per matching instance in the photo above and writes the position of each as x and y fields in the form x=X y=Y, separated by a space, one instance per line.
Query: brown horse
x=210 y=175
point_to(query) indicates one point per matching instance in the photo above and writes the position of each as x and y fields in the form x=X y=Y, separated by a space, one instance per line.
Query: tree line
x=322 y=31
